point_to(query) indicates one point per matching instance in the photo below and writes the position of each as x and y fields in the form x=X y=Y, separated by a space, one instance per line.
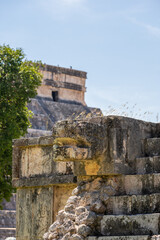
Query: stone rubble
x=79 y=219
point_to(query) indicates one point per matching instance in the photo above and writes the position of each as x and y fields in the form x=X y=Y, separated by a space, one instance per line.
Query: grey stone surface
x=140 y=224
x=134 y=204
x=34 y=212
x=11 y=205
x=42 y=141
x=37 y=132
x=7 y=232
x=152 y=146
x=84 y=230
x=148 y=165
x=134 y=184
x=44 y=181
x=7 y=218
x=76 y=237
x=139 y=237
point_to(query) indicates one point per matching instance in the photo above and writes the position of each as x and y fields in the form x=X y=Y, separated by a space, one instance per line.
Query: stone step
x=11 y=205
x=151 y=146
x=138 y=237
x=140 y=224
x=8 y=218
x=134 y=204
x=7 y=232
x=134 y=184
x=148 y=165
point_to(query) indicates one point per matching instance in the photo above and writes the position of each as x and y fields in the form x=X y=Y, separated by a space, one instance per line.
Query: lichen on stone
x=67 y=141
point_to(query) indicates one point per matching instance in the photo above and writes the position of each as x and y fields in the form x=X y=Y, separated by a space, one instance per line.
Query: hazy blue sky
x=116 y=41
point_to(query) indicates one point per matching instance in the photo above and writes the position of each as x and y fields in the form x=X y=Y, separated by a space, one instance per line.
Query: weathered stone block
x=139 y=237
x=70 y=153
x=148 y=165
x=134 y=204
x=7 y=218
x=144 y=224
x=36 y=161
x=61 y=195
x=34 y=212
x=152 y=146
x=7 y=232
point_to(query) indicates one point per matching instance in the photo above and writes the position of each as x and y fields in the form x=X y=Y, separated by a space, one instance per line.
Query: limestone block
x=140 y=184
x=96 y=167
x=152 y=146
x=7 y=232
x=133 y=184
x=61 y=195
x=64 y=167
x=36 y=160
x=84 y=230
x=11 y=205
x=92 y=238
x=86 y=168
x=34 y=212
x=143 y=224
x=139 y=237
x=7 y=218
x=134 y=204
x=148 y=165
x=70 y=153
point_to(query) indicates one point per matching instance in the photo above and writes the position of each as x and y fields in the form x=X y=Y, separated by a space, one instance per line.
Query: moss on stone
x=79 y=142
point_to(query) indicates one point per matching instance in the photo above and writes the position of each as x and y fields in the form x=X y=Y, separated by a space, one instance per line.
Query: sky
x=117 y=42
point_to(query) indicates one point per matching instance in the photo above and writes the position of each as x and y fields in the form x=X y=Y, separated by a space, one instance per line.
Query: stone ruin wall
x=70 y=85
x=89 y=179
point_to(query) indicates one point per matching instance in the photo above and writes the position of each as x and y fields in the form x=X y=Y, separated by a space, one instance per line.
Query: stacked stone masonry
x=8 y=219
x=68 y=83
x=95 y=179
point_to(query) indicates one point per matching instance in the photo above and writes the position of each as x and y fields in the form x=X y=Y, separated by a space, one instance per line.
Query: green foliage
x=19 y=79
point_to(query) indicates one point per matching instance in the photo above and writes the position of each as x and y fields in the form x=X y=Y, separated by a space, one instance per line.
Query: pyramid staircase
x=134 y=211
x=8 y=219
x=46 y=113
